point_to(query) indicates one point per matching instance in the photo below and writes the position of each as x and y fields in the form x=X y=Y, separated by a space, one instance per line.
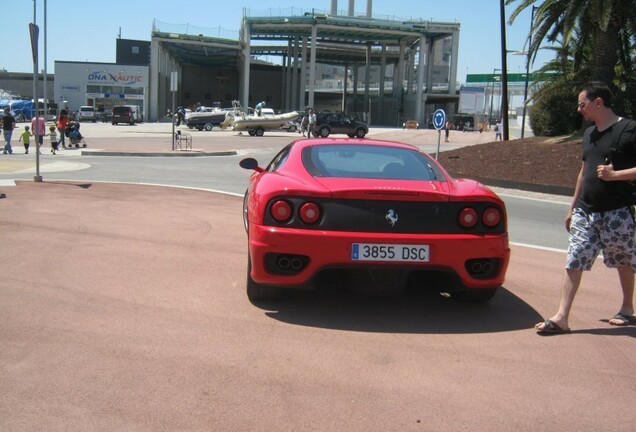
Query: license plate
x=389 y=252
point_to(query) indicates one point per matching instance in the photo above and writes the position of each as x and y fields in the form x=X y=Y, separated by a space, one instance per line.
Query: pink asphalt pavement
x=123 y=308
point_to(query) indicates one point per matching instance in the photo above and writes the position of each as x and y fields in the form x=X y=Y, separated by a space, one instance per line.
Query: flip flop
x=551 y=328
x=624 y=318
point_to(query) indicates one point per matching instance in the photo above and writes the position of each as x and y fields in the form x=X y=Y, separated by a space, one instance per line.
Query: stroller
x=75 y=137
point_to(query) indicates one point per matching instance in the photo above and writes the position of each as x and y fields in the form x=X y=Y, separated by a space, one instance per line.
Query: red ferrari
x=372 y=215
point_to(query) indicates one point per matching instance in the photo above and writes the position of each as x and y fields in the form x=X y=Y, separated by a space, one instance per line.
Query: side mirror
x=250 y=164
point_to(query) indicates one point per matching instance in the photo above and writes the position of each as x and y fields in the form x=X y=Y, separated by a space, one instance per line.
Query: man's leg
x=626 y=275
x=571 y=282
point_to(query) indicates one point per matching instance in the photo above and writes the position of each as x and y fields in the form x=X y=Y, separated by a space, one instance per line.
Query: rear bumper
x=329 y=249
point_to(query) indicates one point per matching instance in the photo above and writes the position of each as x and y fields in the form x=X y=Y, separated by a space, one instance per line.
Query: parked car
x=328 y=123
x=87 y=113
x=106 y=116
x=372 y=215
x=124 y=114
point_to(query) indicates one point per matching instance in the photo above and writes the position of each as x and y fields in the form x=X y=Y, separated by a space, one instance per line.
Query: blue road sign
x=439 y=119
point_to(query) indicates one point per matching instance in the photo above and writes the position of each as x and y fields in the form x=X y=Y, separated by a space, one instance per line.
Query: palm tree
x=604 y=25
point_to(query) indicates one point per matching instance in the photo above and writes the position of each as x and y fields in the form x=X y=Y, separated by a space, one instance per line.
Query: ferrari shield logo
x=391 y=217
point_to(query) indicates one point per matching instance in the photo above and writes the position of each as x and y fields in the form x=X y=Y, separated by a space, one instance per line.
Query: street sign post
x=173 y=90
x=439 y=120
x=34 y=32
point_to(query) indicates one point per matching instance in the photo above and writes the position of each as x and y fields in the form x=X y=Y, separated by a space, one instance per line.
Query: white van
x=87 y=113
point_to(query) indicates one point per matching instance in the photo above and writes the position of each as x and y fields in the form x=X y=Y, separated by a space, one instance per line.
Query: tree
x=601 y=25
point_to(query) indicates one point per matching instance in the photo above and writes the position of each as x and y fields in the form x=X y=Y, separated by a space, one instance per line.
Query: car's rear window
x=121 y=110
x=369 y=161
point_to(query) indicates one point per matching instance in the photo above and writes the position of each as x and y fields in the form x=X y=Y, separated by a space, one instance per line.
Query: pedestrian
x=447 y=128
x=38 y=126
x=26 y=139
x=311 y=124
x=62 y=122
x=601 y=216
x=497 y=131
x=53 y=138
x=259 y=108
x=8 y=124
x=304 y=123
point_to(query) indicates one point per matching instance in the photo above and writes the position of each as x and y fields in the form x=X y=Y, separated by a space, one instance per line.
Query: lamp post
x=525 y=88
x=492 y=96
x=34 y=32
x=504 y=71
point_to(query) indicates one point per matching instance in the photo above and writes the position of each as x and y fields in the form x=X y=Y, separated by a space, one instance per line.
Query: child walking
x=53 y=136
x=26 y=139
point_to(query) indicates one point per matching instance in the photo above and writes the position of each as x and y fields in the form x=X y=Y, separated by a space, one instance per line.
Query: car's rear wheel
x=208 y=127
x=245 y=213
x=351 y=135
x=259 y=132
x=360 y=133
x=251 y=132
x=324 y=132
x=258 y=292
x=477 y=295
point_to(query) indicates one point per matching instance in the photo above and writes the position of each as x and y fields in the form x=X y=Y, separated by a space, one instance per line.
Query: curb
x=528 y=187
x=158 y=154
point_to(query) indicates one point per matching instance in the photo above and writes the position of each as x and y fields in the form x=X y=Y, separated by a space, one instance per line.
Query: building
x=101 y=85
x=384 y=71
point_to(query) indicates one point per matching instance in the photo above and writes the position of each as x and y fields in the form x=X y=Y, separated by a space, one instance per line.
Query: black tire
x=476 y=295
x=259 y=132
x=199 y=128
x=360 y=133
x=323 y=132
x=351 y=135
x=251 y=132
x=114 y=124
x=208 y=127
x=257 y=292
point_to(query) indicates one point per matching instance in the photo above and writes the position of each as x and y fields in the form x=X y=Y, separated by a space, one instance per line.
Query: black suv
x=337 y=123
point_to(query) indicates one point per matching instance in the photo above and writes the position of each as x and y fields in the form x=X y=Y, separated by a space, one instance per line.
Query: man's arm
x=575 y=197
x=607 y=173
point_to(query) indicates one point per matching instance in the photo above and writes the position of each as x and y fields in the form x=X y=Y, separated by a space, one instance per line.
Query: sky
x=86 y=30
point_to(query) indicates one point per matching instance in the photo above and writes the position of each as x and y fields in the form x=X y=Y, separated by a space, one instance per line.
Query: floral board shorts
x=610 y=231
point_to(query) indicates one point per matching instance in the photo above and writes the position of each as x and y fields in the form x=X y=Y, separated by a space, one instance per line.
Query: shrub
x=554 y=110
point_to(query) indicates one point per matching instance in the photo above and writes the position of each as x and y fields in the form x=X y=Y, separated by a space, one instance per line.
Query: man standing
x=311 y=123
x=8 y=124
x=38 y=126
x=601 y=215
x=498 y=131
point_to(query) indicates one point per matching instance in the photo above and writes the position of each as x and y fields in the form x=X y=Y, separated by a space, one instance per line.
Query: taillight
x=309 y=213
x=281 y=211
x=491 y=217
x=468 y=217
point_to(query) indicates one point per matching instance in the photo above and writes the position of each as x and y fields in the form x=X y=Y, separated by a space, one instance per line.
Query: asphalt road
x=534 y=219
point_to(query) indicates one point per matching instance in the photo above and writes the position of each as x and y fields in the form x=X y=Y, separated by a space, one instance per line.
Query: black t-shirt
x=8 y=122
x=598 y=195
